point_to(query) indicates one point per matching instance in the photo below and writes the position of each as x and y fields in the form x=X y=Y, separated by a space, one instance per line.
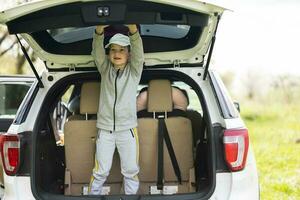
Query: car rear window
x=156 y=38
x=69 y=35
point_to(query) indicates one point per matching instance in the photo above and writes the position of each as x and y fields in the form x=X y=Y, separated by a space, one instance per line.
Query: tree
x=289 y=86
x=256 y=84
x=228 y=78
x=12 y=46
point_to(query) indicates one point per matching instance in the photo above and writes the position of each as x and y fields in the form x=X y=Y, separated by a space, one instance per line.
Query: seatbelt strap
x=160 y=156
x=171 y=152
x=164 y=135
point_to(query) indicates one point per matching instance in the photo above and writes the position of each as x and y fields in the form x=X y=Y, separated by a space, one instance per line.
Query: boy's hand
x=100 y=29
x=132 y=28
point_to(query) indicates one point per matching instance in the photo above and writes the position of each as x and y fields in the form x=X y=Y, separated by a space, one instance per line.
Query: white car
x=13 y=89
x=209 y=140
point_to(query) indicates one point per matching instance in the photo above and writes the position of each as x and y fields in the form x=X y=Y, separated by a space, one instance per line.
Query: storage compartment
x=65 y=141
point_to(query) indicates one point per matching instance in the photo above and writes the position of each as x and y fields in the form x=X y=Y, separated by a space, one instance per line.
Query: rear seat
x=180 y=131
x=73 y=107
x=80 y=137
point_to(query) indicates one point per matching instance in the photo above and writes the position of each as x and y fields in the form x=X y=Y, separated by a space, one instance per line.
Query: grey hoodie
x=117 y=104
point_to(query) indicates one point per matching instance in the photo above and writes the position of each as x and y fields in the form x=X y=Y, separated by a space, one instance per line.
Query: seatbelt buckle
x=85 y=190
x=160 y=186
x=166 y=190
x=160 y=115
x=154 y=190
x=170 y=189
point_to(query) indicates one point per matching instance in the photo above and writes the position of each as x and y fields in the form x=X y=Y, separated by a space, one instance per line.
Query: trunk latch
x=72 y=68
x=176 y=63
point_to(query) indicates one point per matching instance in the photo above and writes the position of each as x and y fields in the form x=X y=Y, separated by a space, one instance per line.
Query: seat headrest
x=89 y=98
x=160 y=96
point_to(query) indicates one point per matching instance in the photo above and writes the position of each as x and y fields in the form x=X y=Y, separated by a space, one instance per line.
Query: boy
x=117 y=120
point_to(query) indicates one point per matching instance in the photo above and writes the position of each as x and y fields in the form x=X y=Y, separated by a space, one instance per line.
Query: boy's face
x=118 y=55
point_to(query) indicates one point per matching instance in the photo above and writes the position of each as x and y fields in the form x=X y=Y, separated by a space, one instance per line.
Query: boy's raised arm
x=137 y=50
x=98 y=51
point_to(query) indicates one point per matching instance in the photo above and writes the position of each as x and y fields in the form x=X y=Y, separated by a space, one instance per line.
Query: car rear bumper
x=17 y=188
x=239 y=185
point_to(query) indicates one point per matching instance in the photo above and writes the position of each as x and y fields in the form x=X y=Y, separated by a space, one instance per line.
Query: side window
x=11 y=96
x=194 y=103
x=60 y=115
x=67 y=95
x=226 y=105
x=23 y=109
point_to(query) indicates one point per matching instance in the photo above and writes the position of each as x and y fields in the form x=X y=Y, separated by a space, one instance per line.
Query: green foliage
x=275 y=133
x=8 y=66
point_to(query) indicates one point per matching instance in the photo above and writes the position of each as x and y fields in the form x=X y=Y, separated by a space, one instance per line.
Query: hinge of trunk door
x=176 y=63
x=72 y=68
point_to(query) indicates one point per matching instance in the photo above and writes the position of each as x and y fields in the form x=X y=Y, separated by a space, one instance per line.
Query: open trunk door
x=174 y=33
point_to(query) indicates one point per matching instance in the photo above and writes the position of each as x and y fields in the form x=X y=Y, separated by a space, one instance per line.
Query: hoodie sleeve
x=137 y=54
x=98 y=52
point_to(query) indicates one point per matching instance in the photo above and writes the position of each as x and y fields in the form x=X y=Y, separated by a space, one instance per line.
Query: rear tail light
x=10 y=153
x=236 y=142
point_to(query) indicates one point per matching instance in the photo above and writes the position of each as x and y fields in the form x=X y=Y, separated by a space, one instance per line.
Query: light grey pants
x=128 y=148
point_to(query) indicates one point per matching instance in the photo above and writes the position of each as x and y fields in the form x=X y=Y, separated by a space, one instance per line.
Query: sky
x=259 y=35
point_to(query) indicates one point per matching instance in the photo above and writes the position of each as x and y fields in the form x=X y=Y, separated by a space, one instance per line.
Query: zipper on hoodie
x=131 y=131
x=114 y=108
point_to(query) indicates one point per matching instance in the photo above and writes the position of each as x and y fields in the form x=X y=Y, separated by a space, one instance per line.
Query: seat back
x=197 y=120
x=180 y=132
x=80 y=141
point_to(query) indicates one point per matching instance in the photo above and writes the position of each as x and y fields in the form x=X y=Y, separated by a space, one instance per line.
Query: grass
x=275 y=136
